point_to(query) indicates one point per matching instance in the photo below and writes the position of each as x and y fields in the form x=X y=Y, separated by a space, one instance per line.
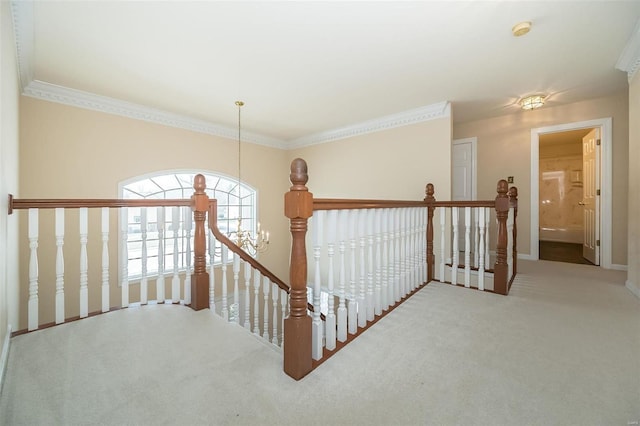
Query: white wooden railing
x=61 y=289
x=365 y=257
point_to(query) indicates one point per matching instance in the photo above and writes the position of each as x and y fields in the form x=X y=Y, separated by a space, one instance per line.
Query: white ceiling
x=304 y=68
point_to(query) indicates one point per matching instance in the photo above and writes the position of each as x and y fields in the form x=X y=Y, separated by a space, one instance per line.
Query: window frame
x=249 y=205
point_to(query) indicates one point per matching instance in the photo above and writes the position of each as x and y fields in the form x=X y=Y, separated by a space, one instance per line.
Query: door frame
x=606 y=177
x=474 y=163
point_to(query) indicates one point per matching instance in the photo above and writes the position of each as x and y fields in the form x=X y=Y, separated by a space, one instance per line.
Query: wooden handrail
x=344 y=204
x=213 y=225
x=52 y=203
x=354 y=204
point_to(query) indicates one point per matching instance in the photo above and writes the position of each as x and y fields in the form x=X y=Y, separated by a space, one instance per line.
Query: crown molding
x=23 y=27
x=414 y=116
x=629 y=60
x=23 y=24
x=77 y=98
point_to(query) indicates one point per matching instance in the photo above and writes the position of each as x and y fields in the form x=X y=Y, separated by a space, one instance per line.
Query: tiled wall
x=559 y=196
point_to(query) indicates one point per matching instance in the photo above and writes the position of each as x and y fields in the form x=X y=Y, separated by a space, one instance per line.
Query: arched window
x=234 y=201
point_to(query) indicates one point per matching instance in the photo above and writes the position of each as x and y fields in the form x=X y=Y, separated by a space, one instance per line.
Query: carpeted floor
x=561 y=349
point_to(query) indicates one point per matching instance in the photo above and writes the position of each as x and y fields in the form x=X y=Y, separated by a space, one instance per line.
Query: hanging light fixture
x=532 y=102
x=243 y=238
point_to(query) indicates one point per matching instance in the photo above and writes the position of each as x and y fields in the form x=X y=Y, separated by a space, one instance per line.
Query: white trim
x=618 y=267
x=474 y=163
x=632 y=288
x=4 y=358
x=414 y=116
x=606 y=187
x=23 y=27
x=526 y=257
x=629 y=60
x=77 y=98
x=80 y=99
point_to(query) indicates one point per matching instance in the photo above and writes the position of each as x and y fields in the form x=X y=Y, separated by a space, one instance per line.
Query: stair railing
x=368 y=256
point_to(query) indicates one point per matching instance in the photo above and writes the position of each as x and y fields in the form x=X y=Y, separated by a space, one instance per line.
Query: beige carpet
x=562 y=349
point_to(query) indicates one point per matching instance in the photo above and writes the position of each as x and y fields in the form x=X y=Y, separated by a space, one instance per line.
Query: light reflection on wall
x=559 y=196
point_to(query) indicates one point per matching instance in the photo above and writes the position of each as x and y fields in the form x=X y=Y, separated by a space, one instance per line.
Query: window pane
x=180 y=186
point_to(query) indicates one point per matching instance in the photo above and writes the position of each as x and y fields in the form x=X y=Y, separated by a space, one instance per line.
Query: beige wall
x=67 y=152
x=9 y=94
x=633 y=277
x=394 y=164
x=504 y=149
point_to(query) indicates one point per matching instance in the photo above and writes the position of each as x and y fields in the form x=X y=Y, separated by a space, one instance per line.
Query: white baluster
x=212 y=274
x=391 y=270
x=362 y=293
x=377 y=295
x=352 y=307
x=404 y=254
x=454 y=257
x=234 y=314
x=105 y=259
x=316 y=328
x=397 y=260
x=124 y=237
x=59 y=266
x=415 y=264
x=342 y=308
x=274 y=301
x=443 y=249
x=175 y=281
x=476 y=237
x=247 y=299
x=225 y=300
x=84 y=263
x=384 y=267
x=330 y=321
x=481 y=245
x=188 y=225
x=144 y=291
x=160 y=295
x=422 y=243
x=467 y=247
x=487 y=254
x=256 y=302
x=33 y=270
x=370 y=218
x=411 y=252
x=266 y=285
x=284 y=298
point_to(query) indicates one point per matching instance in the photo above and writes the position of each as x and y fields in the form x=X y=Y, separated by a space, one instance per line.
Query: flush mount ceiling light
x=532 y=102
x=521 y=28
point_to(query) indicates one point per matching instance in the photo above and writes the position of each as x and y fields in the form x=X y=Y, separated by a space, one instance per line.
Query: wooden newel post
x=501 y=269
x=298 y=207
x=429 y=199
x=200 y=277
x=513 y=202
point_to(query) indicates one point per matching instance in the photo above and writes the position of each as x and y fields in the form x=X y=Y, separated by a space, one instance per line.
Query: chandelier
x=243 y=238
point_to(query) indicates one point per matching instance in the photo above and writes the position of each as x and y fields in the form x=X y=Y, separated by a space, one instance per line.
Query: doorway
x=567 y=181
x=599 y=206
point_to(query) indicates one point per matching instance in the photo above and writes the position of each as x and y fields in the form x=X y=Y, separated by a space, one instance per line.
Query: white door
x=591 y=196
x=463 y=177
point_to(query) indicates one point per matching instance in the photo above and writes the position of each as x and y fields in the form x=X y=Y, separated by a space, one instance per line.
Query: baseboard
x=4 y=358
x=632 y=288
x=619 y=267
x=525 y=257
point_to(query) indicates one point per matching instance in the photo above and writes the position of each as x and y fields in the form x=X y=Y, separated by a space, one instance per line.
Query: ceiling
x=304 y=68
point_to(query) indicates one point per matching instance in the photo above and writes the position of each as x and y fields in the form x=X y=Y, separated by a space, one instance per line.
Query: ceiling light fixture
x=532 y=102
x=242 y=237
x=521 y=28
